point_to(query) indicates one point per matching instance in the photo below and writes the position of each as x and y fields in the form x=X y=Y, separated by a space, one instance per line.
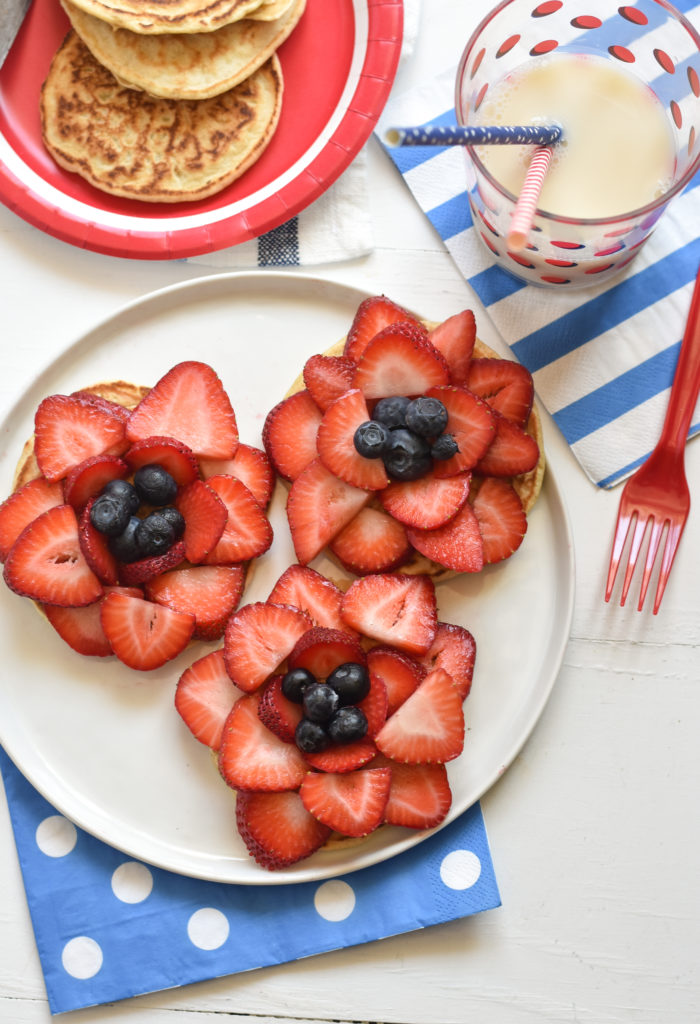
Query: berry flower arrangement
x=332 y=713
x=135 y=515
x=408 y=447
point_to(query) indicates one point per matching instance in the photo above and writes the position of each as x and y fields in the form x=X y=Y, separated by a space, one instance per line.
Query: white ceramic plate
x=104 y=744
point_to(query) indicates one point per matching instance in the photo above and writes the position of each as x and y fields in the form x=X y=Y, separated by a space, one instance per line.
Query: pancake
x=527 y=485
x=158 y=16
x=184 y=66
x=156 y=150
x=271 y=9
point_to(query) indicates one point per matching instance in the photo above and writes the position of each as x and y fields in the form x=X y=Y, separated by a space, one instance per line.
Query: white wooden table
x=594 y=829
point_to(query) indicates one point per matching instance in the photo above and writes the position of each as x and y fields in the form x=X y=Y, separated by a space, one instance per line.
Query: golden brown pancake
x=270 y=9
x=157 y=16
x=156 y=150
x=190 y=66
x=527 y=485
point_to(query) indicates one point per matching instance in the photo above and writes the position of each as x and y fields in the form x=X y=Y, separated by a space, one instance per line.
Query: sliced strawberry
x=455 y=338
x=174 y=456
x=512 y=451
x=308 y=590
x=327 y=378
x=46 y=563
x=350 y=803
x=371 y=542
x=87 y=479
x=470 y=422
x=95 y=548
x=372 y=316
x=428 y=502
x=204 y=696
x=120 y=411
x=69 y=430
x=25 y=505
x=420 y=794
x=319 y=505
x=81 y=628
x=429 y=725
x=277 y=829
x=252 y=757
x=134 y=573
x=501 y=517
x=258 y=638
x=400 y=673
x=345 y=757
x=289 y=434
x=322 y=650
x=457 y=545
x=251 y=466
x=209 y=592
x=205 y=517
x=400 y=361
x=506 y=386
x=454 y=650
x=375 y=705
x=247 y=532
x=280 y=715
x=189 y=402
x=144 y=635
x=336 y=445
x=397 y=610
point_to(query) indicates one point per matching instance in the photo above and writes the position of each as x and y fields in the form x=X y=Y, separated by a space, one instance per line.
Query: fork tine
x=637 y=537
x=675 y=529
x=621 y=530
x=654 y=538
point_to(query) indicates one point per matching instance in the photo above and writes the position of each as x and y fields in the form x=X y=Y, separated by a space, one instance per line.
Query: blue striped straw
x=475 y=135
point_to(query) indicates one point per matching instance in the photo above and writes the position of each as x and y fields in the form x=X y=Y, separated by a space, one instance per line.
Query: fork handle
x=686 y=380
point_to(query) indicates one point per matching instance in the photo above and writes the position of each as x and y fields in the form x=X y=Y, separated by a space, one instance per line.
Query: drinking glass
x=649 y=39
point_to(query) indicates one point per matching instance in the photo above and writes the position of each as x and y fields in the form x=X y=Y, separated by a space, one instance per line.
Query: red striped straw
x=524 y=211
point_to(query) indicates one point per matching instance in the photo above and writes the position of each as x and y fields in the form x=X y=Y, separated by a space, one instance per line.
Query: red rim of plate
x=228 y=226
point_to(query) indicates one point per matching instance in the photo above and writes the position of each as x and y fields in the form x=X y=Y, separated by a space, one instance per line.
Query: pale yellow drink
x=617 y=152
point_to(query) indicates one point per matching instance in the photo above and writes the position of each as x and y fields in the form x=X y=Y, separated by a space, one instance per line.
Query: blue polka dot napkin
x=108 y=927
x=602 y=358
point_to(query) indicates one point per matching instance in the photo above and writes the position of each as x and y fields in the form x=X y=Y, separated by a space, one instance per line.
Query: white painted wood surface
x=594 y=829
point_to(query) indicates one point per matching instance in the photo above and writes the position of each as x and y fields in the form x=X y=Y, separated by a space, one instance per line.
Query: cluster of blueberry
x=114 y=513
x=406 y=434
x=330 y=714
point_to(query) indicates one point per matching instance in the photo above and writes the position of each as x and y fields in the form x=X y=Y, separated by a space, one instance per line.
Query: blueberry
x=125 y=492
x=408 y=456
x=175 y=518
x=391 y=411
x=109 y=516
x=154 y=535
x=124 y=547
x=444 y=447
x=155 y=485
x=311 y=737
x=347 y=725
x=350 y=681
x=320 y=701
x=371 y=439
x=426 y=416
x=294 y=683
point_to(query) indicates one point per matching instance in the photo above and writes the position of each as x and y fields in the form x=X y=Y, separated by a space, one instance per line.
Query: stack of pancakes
x=166 y=100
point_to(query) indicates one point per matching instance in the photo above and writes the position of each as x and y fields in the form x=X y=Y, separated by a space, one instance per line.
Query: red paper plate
x=338 y=65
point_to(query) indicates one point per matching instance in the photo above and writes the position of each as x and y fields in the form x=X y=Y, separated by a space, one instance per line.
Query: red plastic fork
x=657 y=495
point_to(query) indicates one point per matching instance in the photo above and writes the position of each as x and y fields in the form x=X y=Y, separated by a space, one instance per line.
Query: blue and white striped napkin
x=603 y=358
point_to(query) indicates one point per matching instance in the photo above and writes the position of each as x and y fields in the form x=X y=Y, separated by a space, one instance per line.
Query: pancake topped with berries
x=408 y=446
x=135 y=515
